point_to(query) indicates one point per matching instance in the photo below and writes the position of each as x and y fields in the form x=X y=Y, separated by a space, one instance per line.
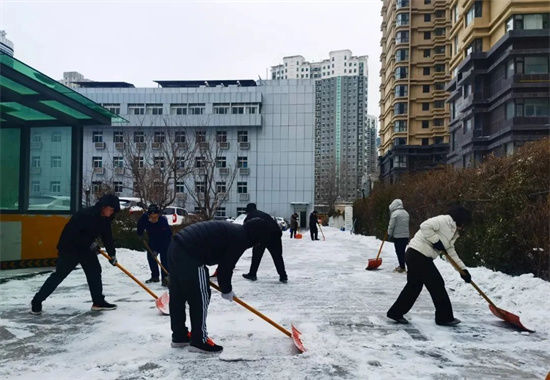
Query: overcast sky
x=141 y=41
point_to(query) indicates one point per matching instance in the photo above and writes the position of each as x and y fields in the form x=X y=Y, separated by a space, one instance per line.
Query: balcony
x=244 y=146
x=244 y=171
x=224 y=171
x=120 y=146
x=204 y=146
x=244 y=197
x=223 y=145
x=99 y=171
x=99 y=145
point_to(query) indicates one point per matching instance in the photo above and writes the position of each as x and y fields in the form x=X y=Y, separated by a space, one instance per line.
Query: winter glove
x=94 y=248
x=438 y=245
x=228 y=296
x=113 y=260
x=466 y=276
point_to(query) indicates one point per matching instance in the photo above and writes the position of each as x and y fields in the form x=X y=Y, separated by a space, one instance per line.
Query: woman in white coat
x=398 y=231
x=435 y=235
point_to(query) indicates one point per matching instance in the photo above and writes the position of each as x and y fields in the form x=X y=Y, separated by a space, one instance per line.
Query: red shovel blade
x=297 y=340
x=373 y=264
x=508 y=317
x=163 y=303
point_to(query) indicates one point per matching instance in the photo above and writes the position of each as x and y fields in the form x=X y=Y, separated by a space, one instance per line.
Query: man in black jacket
x=191 y=249
x=77 y=246
x=274 y=245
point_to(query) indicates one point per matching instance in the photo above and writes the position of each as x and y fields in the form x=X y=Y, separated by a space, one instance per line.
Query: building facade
x=414 y=115
x=6 y=46
x=341 y=99
x=499 y=91
x=264 y=130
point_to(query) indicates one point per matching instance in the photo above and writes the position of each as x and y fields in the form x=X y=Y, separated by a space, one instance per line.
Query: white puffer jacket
x=399 y=220
x=441 y=227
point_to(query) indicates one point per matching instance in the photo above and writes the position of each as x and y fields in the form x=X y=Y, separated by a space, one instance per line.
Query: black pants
x=66 y=262
x=275 y=247
x=422 y=271
x=153 y=265
x=292 y=233
x=400 y=245
x=189 y=285
x=313 y=233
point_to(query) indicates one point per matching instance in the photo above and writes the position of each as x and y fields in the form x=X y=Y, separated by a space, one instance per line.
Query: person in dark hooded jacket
x=313 y=231
x=274 y=245
x=434 y=236
x=191 y=250
x=77 y=246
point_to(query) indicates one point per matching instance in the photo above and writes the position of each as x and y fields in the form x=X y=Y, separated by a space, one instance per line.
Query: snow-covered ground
x=339 y=307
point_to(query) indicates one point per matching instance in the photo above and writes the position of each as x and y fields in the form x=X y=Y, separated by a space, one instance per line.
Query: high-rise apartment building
x=414 y=115
x=6 y=46
x=341 y=150
x=499 y=91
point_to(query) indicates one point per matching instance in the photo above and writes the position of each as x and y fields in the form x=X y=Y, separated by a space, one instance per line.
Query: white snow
x=338 y=306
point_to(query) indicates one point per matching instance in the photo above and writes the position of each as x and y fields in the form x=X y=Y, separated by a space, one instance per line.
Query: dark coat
x=159 y=232
x=212 y=242
x=313 y=222
x=83 y=228
x=294 y=222
x=273 y=228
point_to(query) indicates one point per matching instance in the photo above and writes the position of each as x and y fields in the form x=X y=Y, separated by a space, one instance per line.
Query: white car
x=133 y=204
x=50 y=202
x=175 y=215
x=240 y=219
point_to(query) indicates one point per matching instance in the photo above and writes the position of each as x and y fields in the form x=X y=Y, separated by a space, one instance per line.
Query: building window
x=453 y=109
x=221 y=187
x=400 y=141
x=425 y=141
x=118 y=137
x=200 y=136
x=439 y=68
x=427 y=1
x=242 y=162
x=440 y=31
x=401 y=72
x=474 y=11
x=221 y=162
x=438 y=122
x=439 y=104
x=118 y=162
x=136 y=109
x=221 y=108
x=467 y=125
x=400 y=108
x=528 y=22
x=139 y=162
x=401 y=37
x=536 y=107
x=425 y=106
x=117 y=186
x=56 y=137
x=179 y=137
x=55 y=186
x=400 y=161
x=180 y=162
x=425 y=124
x=401 y=4
x=536 y=65
x=402 y=19
x=97 y=162
x=200 y=187
x=400 y=126
x=96 y=187
x=427 y=53
x=55 y=161
x=97 y=136
x=427 y=35
x=439 y=50
x=221 y=136
x=427 y=17
x=153 y=109
x=200 y=162
x=159 y=137
x=158 y=162
x=401 y=55
x=180 y=187
x=454 y=14
x=453 y=141
x=178 y=109
x=426 y=71
x=438 y=140
x=35 y=187
x=220 y=211
x=401 y=90
x=254 y=108
x=426 y=88
x=242 y=188
x=242 y=136
x=237 y=109
x=196 y=108
x=439 y=13
x=114 y=107
x=439 y=86
x=139 y=137
x=475 y=47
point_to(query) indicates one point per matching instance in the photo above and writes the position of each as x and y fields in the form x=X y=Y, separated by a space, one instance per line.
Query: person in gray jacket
x=435 y=235
x=398 y=231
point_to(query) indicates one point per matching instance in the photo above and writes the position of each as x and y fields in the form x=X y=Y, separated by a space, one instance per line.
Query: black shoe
x=165 y=282
x=182 y=342
x=454 y=322
x=251 y=277
x=36 y=307
x=152 y=279
x=103 y=305
x=208 y=347
x=284 y=280
x=398 y=319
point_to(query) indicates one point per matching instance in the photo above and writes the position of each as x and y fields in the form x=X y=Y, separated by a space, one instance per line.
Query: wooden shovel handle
x=381 y=245
x=250 y=308
x=155 y=257
x=130 y=275
x=455 y=265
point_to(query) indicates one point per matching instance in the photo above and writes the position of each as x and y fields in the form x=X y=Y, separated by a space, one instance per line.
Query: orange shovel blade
x=509 y=317
x=373 y=264
x=163 y=303
x=297 y=340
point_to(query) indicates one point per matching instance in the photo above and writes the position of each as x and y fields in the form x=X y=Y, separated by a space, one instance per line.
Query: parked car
x=283 y=224
x=240 y=219
x=175 y=215
x=133 y=204
x=50 y=202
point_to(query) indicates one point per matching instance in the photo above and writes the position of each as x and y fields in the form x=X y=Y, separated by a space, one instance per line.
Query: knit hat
x=460 y=215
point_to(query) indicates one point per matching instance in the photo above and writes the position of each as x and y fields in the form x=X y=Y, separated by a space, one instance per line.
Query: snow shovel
x=155 y=257
x=320 y=229
x=162 y=302
x=498 y=312
x=295 y=334
x=375 y=263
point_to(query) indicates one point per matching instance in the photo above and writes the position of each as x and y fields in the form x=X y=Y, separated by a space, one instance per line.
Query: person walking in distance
x=435 y=235
x=191 y=250
x=313 y=231
x=159 y=234
x=293 y=225
x=77 y=246
x=398 y=231
x=273 y=244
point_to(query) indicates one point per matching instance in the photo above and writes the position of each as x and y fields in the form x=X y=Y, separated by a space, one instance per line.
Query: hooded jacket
x=441 y=227
x=399 y=220
x=159 y=233
x=217 y=242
